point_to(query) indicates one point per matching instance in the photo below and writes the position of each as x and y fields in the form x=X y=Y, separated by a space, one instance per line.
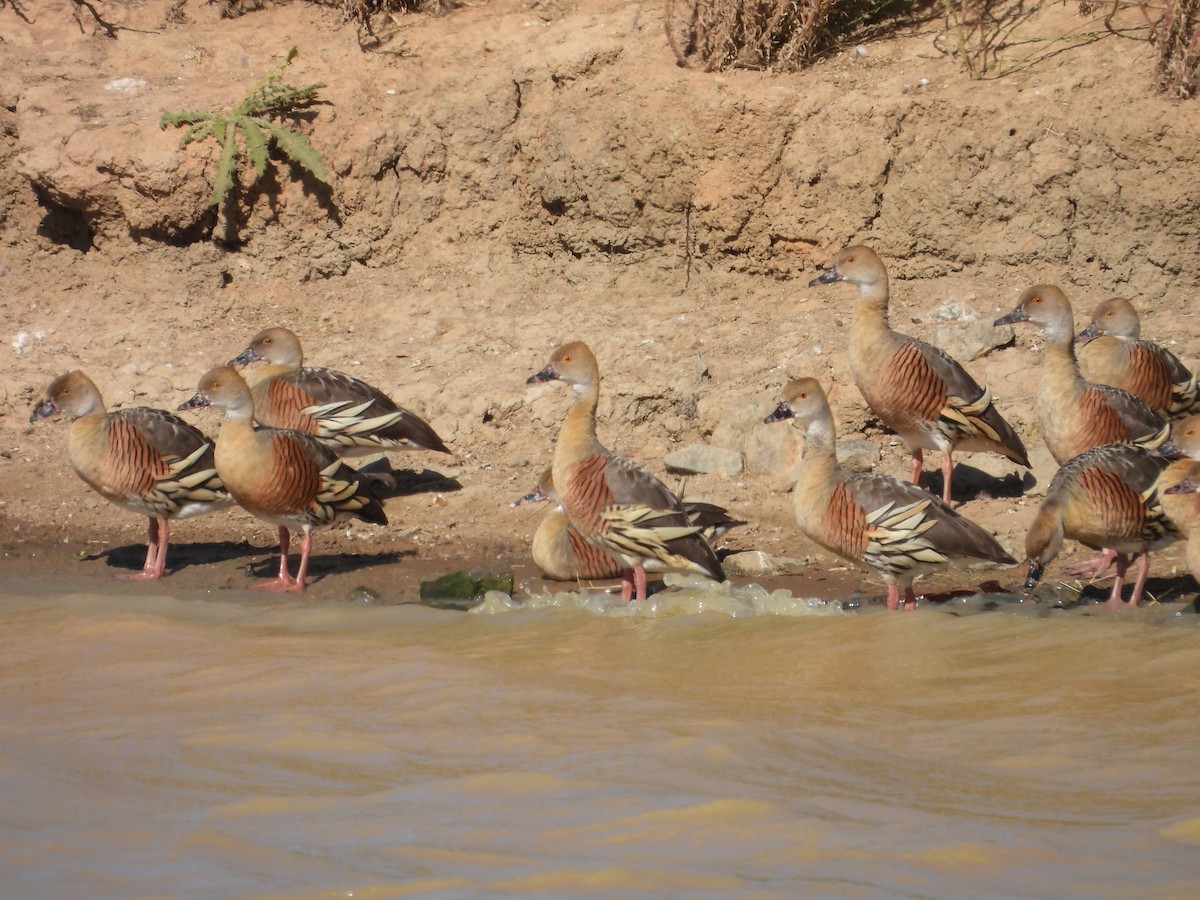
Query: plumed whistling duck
x=881 y=523
x=285 y=477
x=1075 y=414
x=917 y=390
x=612 y=502
x=347 y=415
x=1115 y=354
x=563 y=555
x=147 y=461
x=1181 y=503
x=1184 y=488
x=1107 y=497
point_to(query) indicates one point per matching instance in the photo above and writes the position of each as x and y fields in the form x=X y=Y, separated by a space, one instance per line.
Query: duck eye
x=849 y=259
x=1108 y=315
x=1037 y=299
x=566 y=359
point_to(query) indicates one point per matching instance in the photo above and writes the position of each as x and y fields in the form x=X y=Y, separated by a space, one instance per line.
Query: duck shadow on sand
x=1178 y=589
x=181 y=554
x=388 y=482
x=323 y=565
x=260 y=562
x=971 y=483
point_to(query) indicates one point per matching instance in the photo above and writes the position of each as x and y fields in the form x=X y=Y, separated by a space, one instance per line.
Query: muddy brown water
x=159 y=740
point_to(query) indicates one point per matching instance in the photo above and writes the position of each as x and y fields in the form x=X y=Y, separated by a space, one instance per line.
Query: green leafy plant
x=256 y=125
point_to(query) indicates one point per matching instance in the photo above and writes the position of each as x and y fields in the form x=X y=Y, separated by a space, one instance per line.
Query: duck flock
x=1128 y=447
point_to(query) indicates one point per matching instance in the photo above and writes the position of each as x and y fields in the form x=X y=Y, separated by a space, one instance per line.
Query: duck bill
x=44 y=410
x=1088 y=334
x=1168 y=449
x=198 y=401
x=547 y=374
x=1034 y=575
x=244 y=358
x=782 y=411
x=829 y=276
x=534 y=496
x=1017 y=315
x=1186 y=486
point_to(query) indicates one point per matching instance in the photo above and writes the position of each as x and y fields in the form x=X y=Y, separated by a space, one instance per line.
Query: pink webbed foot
x=284 y=582
x=1142 y=562
x=143 y=575
x=1139 y=584
x=1114 y=598
x=893 y=600
x=156 y=554
x=1091 y=569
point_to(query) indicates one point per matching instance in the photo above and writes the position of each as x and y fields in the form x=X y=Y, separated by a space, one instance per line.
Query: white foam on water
x=683 y=595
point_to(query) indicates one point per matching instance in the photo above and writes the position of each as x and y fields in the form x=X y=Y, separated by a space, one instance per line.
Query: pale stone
x=772 y=450
x=733 y=425
x=1044 y=468
x=756 y=562
x=968 y=339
